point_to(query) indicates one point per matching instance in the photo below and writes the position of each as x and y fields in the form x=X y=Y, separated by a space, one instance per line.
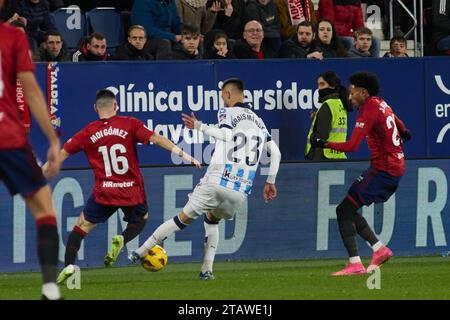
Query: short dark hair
x=306 y=23
x=190 y=30
x=366 y=80
x=54 y=33
x=96 y=35
x=237 y=83
x=104 y=94
x=398 y=39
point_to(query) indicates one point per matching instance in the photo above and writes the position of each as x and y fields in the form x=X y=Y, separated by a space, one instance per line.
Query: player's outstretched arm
x=191 y=122
x=270 y=191
x=165 y=143
x=63 y=155
x=35 y=98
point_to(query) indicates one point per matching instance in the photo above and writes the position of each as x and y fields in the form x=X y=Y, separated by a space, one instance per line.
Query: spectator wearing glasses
x=93 y=48
x=52 y=49
x=252 y=46
x=135 y=48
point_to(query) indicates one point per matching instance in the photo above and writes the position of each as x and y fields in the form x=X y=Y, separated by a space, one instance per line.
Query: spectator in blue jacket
x=159 y=17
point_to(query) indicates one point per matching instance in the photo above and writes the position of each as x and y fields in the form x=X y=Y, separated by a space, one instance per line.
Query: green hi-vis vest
x=338 y=131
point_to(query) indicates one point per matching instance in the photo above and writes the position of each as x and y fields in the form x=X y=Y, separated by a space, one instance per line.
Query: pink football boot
x=379 y=257
x=351 y=269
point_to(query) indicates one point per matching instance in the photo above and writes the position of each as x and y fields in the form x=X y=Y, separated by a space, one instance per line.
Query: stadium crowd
x=226 y=29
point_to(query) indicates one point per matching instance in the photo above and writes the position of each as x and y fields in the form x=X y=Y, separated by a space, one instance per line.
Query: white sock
x=212 y=239
x=356 y=259
x=162 y=232
x=51 y=291
x=377 y=246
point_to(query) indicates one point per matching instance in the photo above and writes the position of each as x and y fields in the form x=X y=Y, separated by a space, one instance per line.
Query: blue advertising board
x=300 y=223
x=282 y=92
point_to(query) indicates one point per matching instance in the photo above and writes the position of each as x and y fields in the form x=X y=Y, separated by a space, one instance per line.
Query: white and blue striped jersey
x=235 y=162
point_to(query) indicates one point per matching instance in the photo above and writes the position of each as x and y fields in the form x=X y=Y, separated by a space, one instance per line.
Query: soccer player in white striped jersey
x=241 y=137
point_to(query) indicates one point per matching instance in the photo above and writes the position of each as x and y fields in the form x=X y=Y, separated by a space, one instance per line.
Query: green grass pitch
x=401 y=278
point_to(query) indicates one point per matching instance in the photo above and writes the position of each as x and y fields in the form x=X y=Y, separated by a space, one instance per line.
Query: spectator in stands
x=216 y=46
x=39 y=20
x=265 y=11
x=52 y=49
x=230 y=18
x=347 y=16
x=135 y=48
x=160 y=18
x=187 y=49
x=252 y=46
x=292 y=13
x=328 y=42
x=194 y=13
x=363 y=42
x=397 y=48
x=441 y=24
x=93 y=48
x=300 y=46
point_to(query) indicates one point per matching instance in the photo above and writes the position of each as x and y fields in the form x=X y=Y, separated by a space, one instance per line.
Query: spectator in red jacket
x=347 y=17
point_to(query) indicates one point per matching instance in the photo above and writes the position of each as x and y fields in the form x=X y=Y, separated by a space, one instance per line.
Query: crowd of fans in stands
x=221 y=29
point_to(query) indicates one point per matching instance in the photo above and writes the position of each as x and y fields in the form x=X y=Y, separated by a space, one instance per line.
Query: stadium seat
x=109 y=22
x=71 y=23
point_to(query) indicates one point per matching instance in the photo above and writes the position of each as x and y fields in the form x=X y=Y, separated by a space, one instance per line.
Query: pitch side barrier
x=282 y=92
x=299 y=224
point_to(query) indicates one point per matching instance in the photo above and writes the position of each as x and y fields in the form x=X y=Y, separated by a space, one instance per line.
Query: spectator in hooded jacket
x=363 y=42
x=93 y=48
x=347 y=17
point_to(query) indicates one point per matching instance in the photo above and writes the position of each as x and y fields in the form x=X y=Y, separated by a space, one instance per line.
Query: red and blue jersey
x=110 y=147
x=382 y=128
x=14 y=58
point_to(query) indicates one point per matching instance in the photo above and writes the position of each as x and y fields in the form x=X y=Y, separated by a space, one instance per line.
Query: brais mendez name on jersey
x=108 y=132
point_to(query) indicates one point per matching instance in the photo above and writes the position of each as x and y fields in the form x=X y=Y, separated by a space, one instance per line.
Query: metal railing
x=414 y=19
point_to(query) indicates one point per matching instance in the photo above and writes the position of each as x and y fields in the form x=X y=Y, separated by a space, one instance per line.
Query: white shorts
x=223 y=203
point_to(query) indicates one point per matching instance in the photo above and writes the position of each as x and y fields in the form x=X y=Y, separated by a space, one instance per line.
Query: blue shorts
x=372 y=186
x=21 y=172
x=98 y=213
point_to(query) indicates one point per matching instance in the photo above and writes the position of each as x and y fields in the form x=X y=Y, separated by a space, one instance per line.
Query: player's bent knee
x=184 y=218
x=211 y=219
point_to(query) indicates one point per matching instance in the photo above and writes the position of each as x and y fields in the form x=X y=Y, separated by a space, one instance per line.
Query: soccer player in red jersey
x=18 y=167
x=384 y=133
x=110 y=147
